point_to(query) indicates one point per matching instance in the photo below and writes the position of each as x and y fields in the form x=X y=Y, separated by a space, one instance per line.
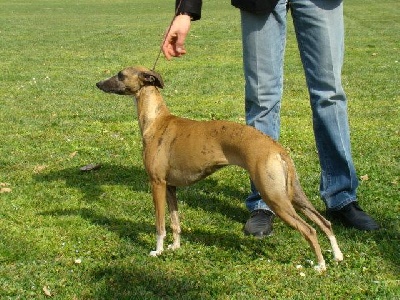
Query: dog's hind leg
x=158 y=190
x=325 y=226
x=301 y=202
x=294 y=220
x=273 y=186
x=173 y=211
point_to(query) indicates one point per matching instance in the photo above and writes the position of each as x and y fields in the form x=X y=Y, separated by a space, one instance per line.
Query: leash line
x=166 y=34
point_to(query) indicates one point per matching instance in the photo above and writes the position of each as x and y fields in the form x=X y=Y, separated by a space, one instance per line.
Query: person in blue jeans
x=319 y=29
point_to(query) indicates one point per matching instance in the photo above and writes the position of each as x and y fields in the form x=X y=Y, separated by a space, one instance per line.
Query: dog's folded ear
x=152 y=78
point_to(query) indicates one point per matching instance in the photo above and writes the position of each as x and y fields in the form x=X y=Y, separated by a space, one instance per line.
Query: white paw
x=320 y=268
x=155 y=253
x=173 y=246
x=338 y=256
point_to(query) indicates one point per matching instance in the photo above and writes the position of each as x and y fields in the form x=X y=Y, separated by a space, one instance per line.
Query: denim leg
x=320 y=36
x=263 y=40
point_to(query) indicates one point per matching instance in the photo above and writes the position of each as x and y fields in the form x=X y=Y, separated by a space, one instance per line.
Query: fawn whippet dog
x=178 y=152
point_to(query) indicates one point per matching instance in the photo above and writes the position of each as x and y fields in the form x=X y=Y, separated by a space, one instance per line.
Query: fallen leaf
x=90 y=167
x=5 y=190
x=46 y=291
x=4 y=184
x=78 y=261
x=364 y=177
x=73 y=154
x=39 y=169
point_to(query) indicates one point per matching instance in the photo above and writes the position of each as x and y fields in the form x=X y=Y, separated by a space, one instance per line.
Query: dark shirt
x=193 y=7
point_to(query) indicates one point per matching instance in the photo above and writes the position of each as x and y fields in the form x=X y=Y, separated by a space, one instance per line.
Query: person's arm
x=189 y=7
x=174 y=43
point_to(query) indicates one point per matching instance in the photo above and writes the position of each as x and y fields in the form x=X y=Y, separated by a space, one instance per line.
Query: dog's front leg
x=173 y=211
x=158 y=190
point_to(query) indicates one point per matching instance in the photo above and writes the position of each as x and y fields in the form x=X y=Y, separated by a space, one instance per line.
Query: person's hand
x=174 y=43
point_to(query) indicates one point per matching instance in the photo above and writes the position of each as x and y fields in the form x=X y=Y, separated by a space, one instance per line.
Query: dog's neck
x=150 y=106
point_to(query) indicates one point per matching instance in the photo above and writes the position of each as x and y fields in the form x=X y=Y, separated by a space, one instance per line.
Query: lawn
x=67 y=234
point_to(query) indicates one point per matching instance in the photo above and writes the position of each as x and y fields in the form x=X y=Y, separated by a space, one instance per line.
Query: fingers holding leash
x=174 y=41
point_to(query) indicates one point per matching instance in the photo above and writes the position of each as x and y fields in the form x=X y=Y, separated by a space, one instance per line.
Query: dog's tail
x=290 y=174
x=303 y=204
x=293 y=187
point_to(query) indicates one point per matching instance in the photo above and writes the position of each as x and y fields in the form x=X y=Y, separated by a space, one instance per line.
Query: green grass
x=53 y=120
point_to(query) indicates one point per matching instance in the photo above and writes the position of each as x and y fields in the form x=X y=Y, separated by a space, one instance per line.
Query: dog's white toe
x=320 y=268
x=173 y=247
x=339 y=257
x=155 y=253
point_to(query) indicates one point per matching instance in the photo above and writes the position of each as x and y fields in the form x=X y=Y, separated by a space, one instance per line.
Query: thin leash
x=166 y=35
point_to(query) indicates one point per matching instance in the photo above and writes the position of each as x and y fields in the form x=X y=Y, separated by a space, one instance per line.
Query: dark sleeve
x=191 y=7
x=255 y=6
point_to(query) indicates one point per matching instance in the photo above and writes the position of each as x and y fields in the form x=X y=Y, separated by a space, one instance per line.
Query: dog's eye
x=121 y=76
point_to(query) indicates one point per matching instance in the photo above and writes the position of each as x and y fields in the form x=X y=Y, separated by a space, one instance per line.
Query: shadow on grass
x=388 y=241
x=90 y=183
x=235 y=242
x=226 y=201
x=387 y=238
x=151 y=282
x=141 y=281
x=206 y=195
x=175 y=275
x=200 y=195
x=124 y=228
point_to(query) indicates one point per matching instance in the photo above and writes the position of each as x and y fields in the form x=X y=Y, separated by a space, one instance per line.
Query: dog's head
x=130 y=80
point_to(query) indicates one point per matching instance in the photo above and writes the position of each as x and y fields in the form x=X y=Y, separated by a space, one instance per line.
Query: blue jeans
x=320 y=36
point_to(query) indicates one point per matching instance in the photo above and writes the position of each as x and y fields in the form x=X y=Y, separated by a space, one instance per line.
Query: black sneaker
x=352 y=215
x=259 y=224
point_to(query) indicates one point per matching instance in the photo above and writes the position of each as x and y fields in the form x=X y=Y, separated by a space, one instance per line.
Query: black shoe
x=260 y=223
x=352 y=215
